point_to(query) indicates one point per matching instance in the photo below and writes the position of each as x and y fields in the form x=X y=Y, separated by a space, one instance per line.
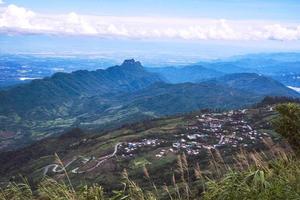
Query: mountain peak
x=131 y=63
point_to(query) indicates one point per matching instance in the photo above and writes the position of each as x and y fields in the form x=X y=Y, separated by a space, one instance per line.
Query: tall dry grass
x=270 y=174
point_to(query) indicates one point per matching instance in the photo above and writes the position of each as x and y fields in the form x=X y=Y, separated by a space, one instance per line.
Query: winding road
x=58 y=169
x=221 y=139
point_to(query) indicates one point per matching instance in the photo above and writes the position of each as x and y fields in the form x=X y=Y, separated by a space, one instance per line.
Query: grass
x=140 y=162
x=253 y=175
x=280 y=180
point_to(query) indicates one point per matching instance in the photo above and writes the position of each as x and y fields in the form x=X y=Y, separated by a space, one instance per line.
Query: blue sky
x=229 y=9
x=208 y=28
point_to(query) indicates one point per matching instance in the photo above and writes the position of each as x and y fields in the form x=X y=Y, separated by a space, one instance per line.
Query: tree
x=288 y=123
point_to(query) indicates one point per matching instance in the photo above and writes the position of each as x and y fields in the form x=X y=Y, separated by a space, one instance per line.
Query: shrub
x=288 y=123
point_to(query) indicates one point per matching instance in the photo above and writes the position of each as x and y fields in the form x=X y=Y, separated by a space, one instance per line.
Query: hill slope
x=166 y=99
x=193 y=73
x=52 y=105
x=61 y=87
x=258 y=84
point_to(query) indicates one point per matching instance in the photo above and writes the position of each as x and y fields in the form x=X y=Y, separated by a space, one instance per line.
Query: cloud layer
x=19 y=20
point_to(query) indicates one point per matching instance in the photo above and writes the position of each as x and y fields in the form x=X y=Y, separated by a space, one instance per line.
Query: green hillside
x=101 y=158
x=106 y=99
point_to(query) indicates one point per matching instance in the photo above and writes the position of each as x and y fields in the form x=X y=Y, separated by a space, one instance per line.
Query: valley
x=155 y=143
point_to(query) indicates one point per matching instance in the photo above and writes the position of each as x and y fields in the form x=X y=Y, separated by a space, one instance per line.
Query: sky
x=186 y=29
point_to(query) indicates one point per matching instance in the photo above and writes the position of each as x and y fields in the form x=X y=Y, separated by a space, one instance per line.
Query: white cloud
x=278 y=32
x=17 y=17
x=1 y=2
x=18 y=20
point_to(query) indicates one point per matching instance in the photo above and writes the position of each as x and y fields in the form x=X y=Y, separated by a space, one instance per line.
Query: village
x=226 y=132
x=222 y=131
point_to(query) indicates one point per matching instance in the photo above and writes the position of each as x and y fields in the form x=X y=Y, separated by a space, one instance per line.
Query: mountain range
x=283 y=67
x=192 y=73
x=105 y=99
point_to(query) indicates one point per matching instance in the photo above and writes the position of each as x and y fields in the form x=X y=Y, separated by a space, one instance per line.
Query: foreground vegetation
x=272 y=174
x=278 y=179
